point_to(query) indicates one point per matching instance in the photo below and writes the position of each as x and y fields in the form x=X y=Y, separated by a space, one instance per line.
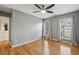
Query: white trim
x=24 y=43
x=76 y=44
x=10 y=43
x=55 y=39
x=65 y=42
x=3 y=39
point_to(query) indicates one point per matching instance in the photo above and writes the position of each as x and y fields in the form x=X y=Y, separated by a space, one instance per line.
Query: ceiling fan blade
x=50 y=6
x=49 y=11
x=36 y=11
x=37 y=6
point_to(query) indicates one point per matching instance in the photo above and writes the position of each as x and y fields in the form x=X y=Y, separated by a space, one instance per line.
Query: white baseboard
x=3 y=39
x=76 y=44
x=10 y=43
x=25 y=43
x=55 y=39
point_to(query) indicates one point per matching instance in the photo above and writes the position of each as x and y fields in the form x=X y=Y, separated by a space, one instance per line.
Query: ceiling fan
x=44 y=9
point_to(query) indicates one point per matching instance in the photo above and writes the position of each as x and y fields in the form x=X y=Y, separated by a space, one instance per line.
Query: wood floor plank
x=39 y=47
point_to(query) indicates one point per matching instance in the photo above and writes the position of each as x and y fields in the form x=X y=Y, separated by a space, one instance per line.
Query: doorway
x=46 y=30
x=4 y=28
x=66 y=30
x=4 y=31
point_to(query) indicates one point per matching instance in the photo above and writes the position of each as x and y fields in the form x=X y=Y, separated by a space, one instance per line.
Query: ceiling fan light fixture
x=43 y=11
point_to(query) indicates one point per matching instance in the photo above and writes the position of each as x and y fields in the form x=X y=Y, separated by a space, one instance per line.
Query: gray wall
x=24 y=28
x=55 y=26
x=55 y=29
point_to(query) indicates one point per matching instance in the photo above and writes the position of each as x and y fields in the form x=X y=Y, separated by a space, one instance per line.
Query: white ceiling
x=58 y=9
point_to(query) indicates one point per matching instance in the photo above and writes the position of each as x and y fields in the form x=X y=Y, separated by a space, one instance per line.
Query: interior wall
x=25 y=28
x=56 y=30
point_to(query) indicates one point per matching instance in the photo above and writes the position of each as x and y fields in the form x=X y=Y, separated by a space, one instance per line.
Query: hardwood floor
x=4 y=47
x=39 y=47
